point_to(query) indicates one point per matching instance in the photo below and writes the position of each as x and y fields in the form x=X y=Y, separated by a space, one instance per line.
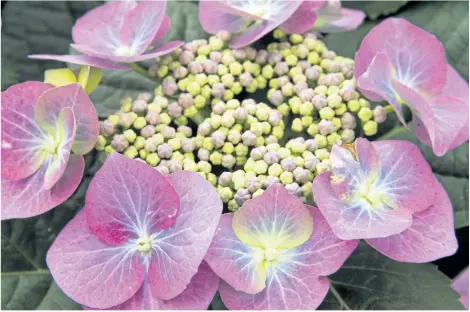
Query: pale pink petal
x=162 y=31
x=416 y=55
x=197 y=296
x=213 y=18
x=376 y=83
x=357 y=219
x=128 y=198
x=22 y=138
x=57 y=163
x=430 y=237
x=141 y=25
x=28 y=198
x=90 y=272
x=460 y=285
x=180 y=249
x=99 y=28
x=275 y=219
x=199 y=293
x=237 y=264
x=440 y=120
x=283 y=292
x=323 y=254
x=303 y=18
x=49 y=105
x=332 y=18
x=405 y=176
x=244 y=8
x=81 y=60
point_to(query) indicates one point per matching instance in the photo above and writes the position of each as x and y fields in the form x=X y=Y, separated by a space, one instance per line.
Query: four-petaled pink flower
x=274 y=252
x=385 y=192
x=404 y=65
x=250 y=20
x=41 y=126
x=332 y=18
x=119 y=32
x=140 y=240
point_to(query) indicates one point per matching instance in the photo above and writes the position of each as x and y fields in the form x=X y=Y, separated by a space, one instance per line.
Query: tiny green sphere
x=257 y=193
x=236 y=88
x=327 y=113
x=189 y=165
x=321 y=140
x=296 y=38
x=261 y=167
x=299 y=161
x=236 y=69
x=216 y=158
x=114 y=119
x=194 y=88
x=307 y=121
x=228 y=95
x=177 y=156
x=241 y=160
x=143 y=154
x=284 y=152
x=164 y=118
x=336 y=123
x=199 y=101
x=370 y=128
x=333 y=138
x=313 y=58
x=334 y=100
x=100 y=143
x=175 y=143
x=286 y=177
x=139 y=142
x=162 y=71
x=204 y=166
x=298 y=147
x=130 y=135
x=152 y=159
x=279 y=34
x=207 y=144
x=131 y=152
x=222 y=70
x=189 y=156
x=267 y=71
x=275 y=170
x=295 y=71
x=322 y=153
x=226 y=194
x=212 y=178
x=158 y=138
x=306 y=109
x=342 y=108
x=312 y=129
x=297 y=125
x=365 y=114
x=284 y=109
x=291 y=60
x=139 y=123
x=250 y=165
x=353 y=106
x=364 y=103
x=109 y=149
x=228 y=148
x=278 y=132
x=213 y=79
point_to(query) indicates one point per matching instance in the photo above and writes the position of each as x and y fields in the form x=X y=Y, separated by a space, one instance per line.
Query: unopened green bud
x=313 y=58
x=267 y=71
x=216 y=158
x=364 y=103
x=307 y=121
x=354 y=106
x=297 y=125
x=327 y=113
x=226 y=194
x=236 y=69
x=370 y=127
x=275 y=170
x=109 y=149
x=333 y=138
x=165 y=118
x=100 y=143
x=291 y=60
x=284 y=109
x=130 y=135
x=286 y=177
x=279 y=34
x=322 y=153
x=131 y=152
x=241 y=150
x=114 y=119
x=321 y=140
x=365 y=114
x=152 y=159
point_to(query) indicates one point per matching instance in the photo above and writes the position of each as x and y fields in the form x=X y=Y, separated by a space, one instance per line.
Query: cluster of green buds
x=205 y=72
x=294 y=165
x=316 y=89
x=234 y=128
x=144 y=131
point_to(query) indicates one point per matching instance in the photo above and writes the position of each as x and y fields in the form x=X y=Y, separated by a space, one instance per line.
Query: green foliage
x=370 y=281
x=184 y=21
x=375 y=9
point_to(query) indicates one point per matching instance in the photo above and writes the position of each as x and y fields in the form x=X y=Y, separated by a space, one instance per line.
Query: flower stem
x=389 y=109
x=142 y=71
x=338 y=296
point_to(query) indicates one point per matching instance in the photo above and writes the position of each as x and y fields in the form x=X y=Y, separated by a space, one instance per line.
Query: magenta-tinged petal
x=460 y=285
x=81 y=60
x=213 y=18
x=49 y=105
x=282 y=292
x=303 y=18
x=99 y=28
x=199 y=293
x=57 y=162
x=28 y=198
x=405 y=175
x=197 y=296
x=376 y=83
x=128 y=198
x=141 y=25
x=253 y=33
x=323 y=254
x=356 y=219
x=430 y=237
x=22 y=138
x=238 y=264
x=440 y=120
x=333 y=18
x=90 y=272
x=417 y=56
x=275 y=219
x=162 y=31
x=180 y=249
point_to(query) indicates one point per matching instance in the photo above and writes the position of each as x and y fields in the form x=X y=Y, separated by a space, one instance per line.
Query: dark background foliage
x=367 y=281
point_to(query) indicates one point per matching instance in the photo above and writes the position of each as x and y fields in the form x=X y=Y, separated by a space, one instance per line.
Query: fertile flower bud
x=272 y=158
x=163 y=169
x=152 y=118
x=204 y=128
x=168 y=132
x=299 y=86
x=311 y=144
x=169 y=87
x=270 y=181
x=241 y=196
x=281 y=68
x=288 y=164
x=195 y=68
x=294 y=189
x=312 y=73
x=107 y=128
x=218 y=90
x=261 y=57
x=249 y=138
x=348 y=121
x=347 y=93
x=250 y=53
x=147 y=131
x=150 y=145
x=186 y=57
x=246 y=79
x=185 y=100
x=175 y=165
x=203 y=154
x=301 y=175
x=274 y=118
x=325 y=127
x=139 y=106
x=274 y=58
x=164 y=151
x=253 y=185
x=347 y=70
x=306 y=95
x=210 y=66
x=119 y=143
x=180 y=72
x=310 y=163
x=348 y=136
x=276 y=98
x=126 y=119
x=328 y=55
x=216 y=57
x=319 y=101
x=380 y=115
x=218 y=139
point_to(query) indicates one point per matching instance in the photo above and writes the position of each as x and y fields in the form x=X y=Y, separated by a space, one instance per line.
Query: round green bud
x=261 y=167
x=233 y=104
x=297 y=125
x=189 y=164
x=158 y=138
x=190 y=111
x=267 y=72
x=226 y=194
x=364 y=103
x=154 y=108
x=206 y=92
x=152 y=159
x=213 y=79
x=370 y=127
x=334 y=100
x=286 y=177
x=130 y=135
x=342 y=108
x=321 y=140
x=175 y=143
x=327 y=113
x=262 y=82
x=131 y=152
x=278 y=132
x=295 y=71
x=177 y=156
x=114 y=119
x=336 y=123
x=284 y=152
x=139 y=142
x=307 y=121
x=259 y=141
x=306 y=109
x=216 y=158
x=189 y=156
x=322 y=153
x=312 y=129
x=222 y=70
x=204 y=166
x=241 y=150
x=275 y=170
x=307 y=189
x=100 y=143
x=212 y=178
x=207 y=144
x=201 y=59
x=299 y=161
x=199 y=101
x=109 y=149
x=139 y=123
x=313 y=58
x=365 y=114
x=354 y=106
x=204 y=50
x=236 y=88
x=228 y=95
x=296 y=38
x=284 y=109
x=279 y=34
x=236 y=69
x=228 y=80
x=174 y=65
x=320 y=90
x=164 y=118
x=291 y=60
x=250 y=165
x=143 y=154
x=194 y=88
x=333 y=138
x=228 y=148
x=257 y=193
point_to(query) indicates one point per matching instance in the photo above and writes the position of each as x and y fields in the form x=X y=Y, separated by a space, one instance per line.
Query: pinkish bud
x=380 y=114
x=276 y=98
x=271 y=158
x=299 y=86
x=348 y=121
x=312 y=145
x=180 y=72
x=152 y=117
x=347 y=93
x=174 y=109
x=139 y=106
x=261 y=57
x=175 y=165
x=312 y=73
x=147 y=131
x=326 y=127
x=210 y=67
x=274 y=57
x=227 y=59
x=306 y=95
x=195 y=68
x=218 y=90
x=270 y=181
x=319 y=101
x=146 y=96
x=187 y=145
x=281 y=68
x=253 y=185
x=185 y=100
x=250 y=53
x=225 y=178
x=153 y=70
x=218 y=139
x=119 y=143
x=347 y=70
x=215 y=56
x=163 y=169
x=328 y=55
x=164 y=150
x=288 y=164
x=241 y=196
x=246 y=79
x=186 y=57
x=294 y=189
x=150 y=145
x=303 y=64
x=239 y=54
x=107 y=128
x=224 y=35
x=169 y=87
x=126 y=120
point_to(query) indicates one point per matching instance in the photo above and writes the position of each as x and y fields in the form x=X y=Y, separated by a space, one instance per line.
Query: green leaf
x=457 y=189
x=33 y=290
x=447 y=20
x=370 y=281
x=217 y=303
x=184 y=21
x=36 y=27
x=374 y=9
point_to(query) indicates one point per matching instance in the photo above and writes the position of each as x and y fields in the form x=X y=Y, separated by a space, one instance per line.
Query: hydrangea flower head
x=140 y=239
x=385 y=192
x=252 y=19
x=331 y=18
x=41 y=127
x=274 y=252
x=404 y=65
x=119 y=32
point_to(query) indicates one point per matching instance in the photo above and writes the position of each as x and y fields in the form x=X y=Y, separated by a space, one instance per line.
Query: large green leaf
x=36 y=27
x=447 y=20
x=184 y=21
x=457 y=189
x=370 y=281
x=31 y=290
x=374 y=9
